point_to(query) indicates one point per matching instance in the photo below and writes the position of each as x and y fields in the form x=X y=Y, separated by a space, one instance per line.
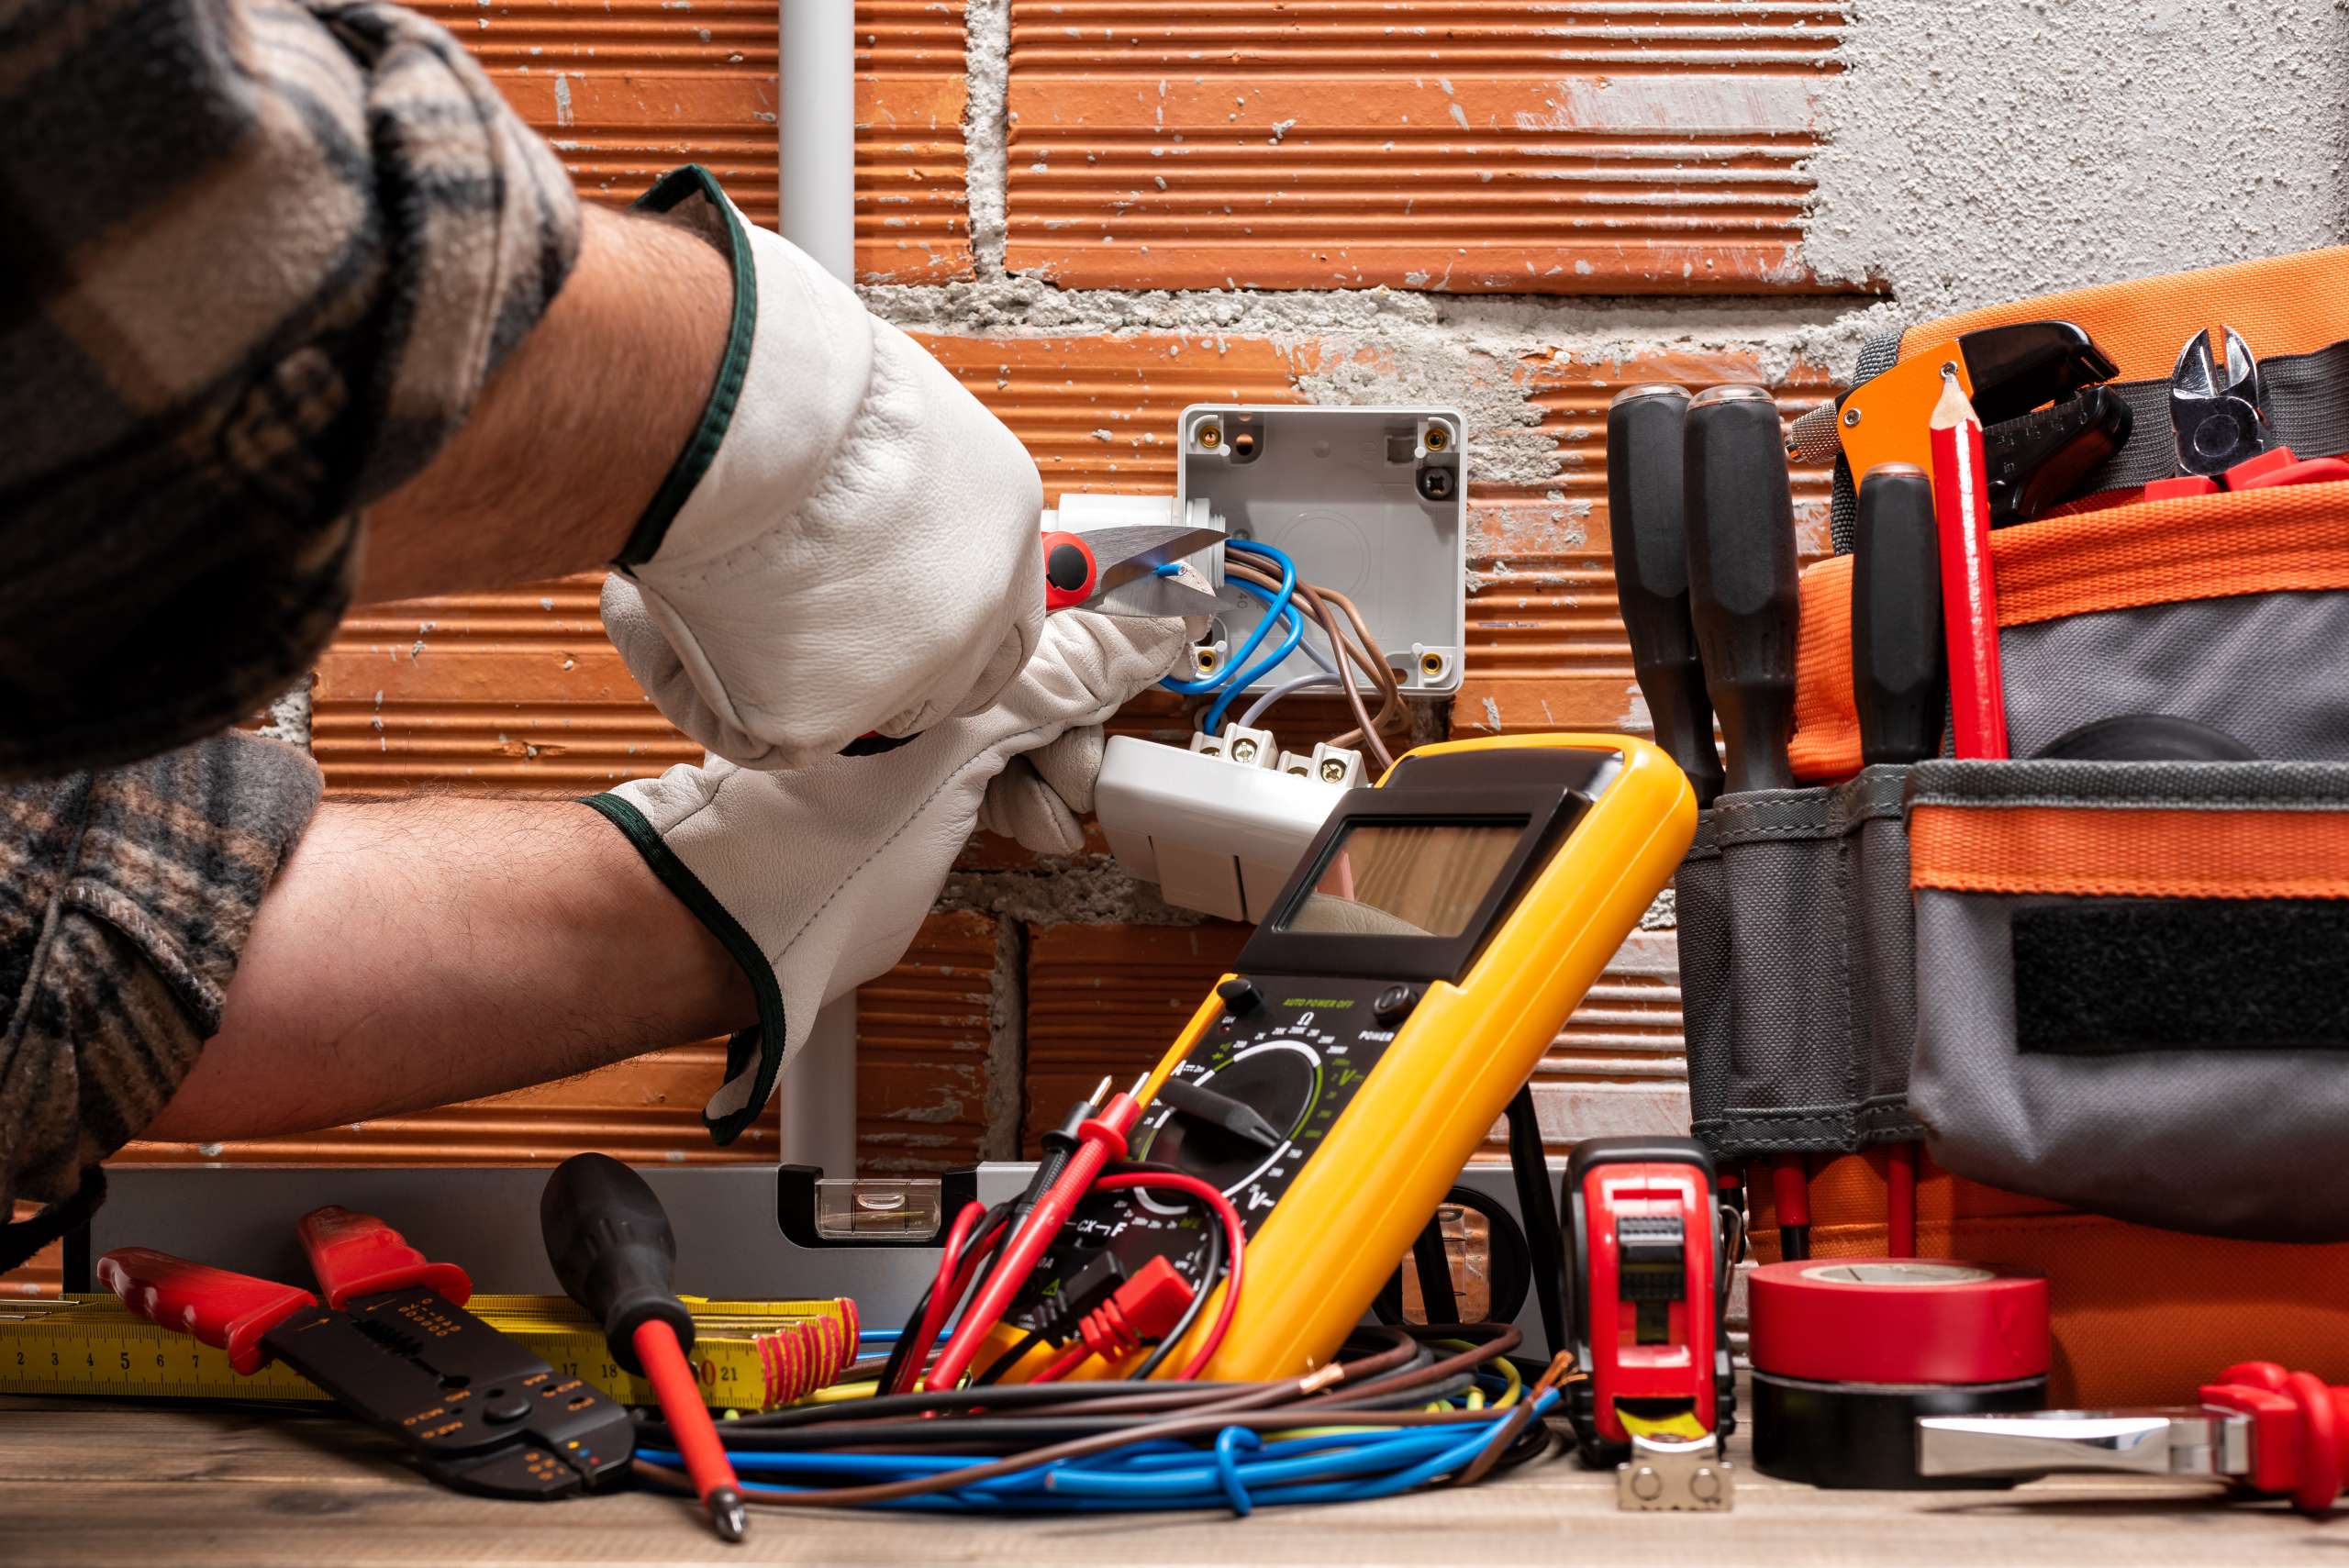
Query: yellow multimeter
x=1415 y=969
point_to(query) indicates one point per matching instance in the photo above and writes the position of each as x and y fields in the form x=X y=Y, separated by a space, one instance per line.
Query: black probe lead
x=1537 y=1201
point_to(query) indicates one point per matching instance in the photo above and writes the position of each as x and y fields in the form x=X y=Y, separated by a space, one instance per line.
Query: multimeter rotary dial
x=1227 y=1120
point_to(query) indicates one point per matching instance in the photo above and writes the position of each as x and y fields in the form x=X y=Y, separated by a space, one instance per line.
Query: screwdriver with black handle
x=1649 y=534
x=1899 y=690
x=609 y=1241
x=1745 y=603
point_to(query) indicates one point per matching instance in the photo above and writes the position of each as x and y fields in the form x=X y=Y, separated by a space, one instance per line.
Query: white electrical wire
x=1256 y=709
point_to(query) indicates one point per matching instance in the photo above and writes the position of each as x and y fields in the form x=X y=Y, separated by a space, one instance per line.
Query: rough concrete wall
x=1982 y=151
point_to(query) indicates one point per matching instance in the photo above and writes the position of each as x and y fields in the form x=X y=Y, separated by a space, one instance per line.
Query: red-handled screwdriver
x=613 y=1251
x=1100 y=1139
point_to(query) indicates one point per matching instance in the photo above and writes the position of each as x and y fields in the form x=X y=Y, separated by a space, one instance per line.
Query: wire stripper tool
x=475 y=1410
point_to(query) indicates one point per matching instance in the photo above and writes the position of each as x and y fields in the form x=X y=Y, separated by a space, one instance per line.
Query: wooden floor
x=113 y=1487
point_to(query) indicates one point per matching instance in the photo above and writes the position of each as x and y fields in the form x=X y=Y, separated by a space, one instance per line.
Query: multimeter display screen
x=1405 y=879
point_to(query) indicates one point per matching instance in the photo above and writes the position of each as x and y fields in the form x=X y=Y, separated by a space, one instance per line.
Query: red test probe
x=1101 y=1138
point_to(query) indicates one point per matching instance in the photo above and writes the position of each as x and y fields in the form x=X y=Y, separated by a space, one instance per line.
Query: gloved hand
x=849 y=542
x=817 y=879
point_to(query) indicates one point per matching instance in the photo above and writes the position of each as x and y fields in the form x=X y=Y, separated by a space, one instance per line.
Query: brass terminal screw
x=1333 y=769
x=1243 y=749
x=1211 y=435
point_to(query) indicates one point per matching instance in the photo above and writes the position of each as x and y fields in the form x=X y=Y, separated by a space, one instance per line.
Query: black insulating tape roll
x=1864 y=1434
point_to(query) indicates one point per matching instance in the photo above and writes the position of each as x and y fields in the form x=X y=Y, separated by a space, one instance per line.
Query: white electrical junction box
x=1370 y=502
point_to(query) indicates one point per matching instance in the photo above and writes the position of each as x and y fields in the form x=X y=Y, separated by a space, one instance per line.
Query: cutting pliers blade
x=2216 y=407
x=1118 y=571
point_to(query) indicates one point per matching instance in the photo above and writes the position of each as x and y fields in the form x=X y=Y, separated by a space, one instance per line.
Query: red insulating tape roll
x=1897 y=1320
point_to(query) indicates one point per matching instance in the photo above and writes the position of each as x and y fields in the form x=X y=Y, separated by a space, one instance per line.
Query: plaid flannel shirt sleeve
x=125 y=899
x=257 y=259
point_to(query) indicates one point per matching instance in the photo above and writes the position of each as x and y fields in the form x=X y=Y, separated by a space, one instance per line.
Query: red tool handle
x=1070 y=570
x=358 y=1254
x=229 y=1310
x=2300 y=1430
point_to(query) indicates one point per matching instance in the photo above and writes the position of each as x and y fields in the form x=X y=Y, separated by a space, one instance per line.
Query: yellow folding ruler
x=750 y=1355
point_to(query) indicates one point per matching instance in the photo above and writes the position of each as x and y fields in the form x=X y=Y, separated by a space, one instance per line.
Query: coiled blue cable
x=1236 y=1475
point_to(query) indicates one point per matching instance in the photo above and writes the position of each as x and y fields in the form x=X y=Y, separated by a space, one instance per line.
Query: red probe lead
x=1101 y=1138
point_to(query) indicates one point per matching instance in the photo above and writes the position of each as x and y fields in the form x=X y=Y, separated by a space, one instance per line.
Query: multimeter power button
x=1239 y=995
x=1393 y=1004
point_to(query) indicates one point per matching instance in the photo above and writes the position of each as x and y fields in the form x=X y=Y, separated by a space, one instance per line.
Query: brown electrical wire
x=1561 y=1369
x=1365 y=726
x=1363 y=654
x=1313 y=1395
x=1375 y=663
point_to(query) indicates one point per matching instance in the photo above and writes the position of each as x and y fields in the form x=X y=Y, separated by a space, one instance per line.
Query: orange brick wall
x=1321 y=149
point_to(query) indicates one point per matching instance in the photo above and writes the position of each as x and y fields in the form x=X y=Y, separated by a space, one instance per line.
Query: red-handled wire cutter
x=1122 y=569
x=1116 y=570
x=395 y=1346
x=2265 y=1430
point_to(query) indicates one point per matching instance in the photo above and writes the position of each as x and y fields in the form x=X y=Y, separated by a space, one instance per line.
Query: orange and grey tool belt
x=747 y=1355
x=2109 y=988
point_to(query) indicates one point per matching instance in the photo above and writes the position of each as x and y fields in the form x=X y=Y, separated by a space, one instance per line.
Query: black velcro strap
x=2121 y=975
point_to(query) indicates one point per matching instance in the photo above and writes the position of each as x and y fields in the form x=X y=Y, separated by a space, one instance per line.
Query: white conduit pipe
x=816 y=155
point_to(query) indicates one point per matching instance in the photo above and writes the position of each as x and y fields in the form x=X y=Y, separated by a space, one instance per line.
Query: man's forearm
x=573 y=436
x=413 y=954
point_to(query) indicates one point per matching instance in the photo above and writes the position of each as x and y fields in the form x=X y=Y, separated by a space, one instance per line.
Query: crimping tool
x=395 y=1346
x=2047 y=421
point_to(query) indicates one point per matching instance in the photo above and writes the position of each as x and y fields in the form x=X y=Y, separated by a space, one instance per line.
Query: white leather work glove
x=817 y=879
x=849 y=542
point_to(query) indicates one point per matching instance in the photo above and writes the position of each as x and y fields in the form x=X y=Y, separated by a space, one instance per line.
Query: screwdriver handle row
x=1702 y=524
x=1700 y=514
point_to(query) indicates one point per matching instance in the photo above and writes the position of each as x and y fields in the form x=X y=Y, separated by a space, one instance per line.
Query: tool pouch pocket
x=2135 y=992
x=1797 y=969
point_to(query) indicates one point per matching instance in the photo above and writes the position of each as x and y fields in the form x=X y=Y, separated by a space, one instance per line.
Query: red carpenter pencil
x=1969 y=596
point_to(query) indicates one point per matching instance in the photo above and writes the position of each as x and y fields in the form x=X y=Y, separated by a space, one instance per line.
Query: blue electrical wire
x=1275 y=606
x=1239 y=683
x=1239 y=1471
